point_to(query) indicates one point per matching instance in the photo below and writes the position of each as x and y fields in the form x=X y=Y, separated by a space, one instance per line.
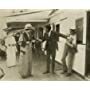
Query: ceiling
x=23 y=15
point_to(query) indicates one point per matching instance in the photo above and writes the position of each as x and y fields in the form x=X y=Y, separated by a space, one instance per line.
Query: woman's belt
x=10 y=45
x=27 y=43
x=23 y=50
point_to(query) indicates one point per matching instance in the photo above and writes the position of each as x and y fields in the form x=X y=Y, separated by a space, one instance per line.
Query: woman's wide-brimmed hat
x=29 y=27
x=8 y=29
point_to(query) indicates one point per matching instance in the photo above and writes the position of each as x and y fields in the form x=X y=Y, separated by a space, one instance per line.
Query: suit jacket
x=51 y=41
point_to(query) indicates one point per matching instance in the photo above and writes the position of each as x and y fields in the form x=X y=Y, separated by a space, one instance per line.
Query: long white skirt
x=11 y=56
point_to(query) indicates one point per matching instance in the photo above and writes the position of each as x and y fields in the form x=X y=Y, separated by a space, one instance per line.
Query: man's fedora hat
x=73 y=30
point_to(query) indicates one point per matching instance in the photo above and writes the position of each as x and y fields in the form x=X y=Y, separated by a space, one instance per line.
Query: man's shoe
x=53 y=73
x=24 y=77
x=30 y=75
x=63 y=72
x=68 y=74
x=46 y=72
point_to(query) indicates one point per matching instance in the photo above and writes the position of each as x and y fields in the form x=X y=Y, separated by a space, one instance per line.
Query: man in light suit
x=70 y=49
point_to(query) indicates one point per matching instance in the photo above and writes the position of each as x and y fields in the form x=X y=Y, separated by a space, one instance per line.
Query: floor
x=11 y=74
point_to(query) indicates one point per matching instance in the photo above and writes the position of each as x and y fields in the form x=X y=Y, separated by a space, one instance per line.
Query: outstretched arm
x=43 y=39
x=62 y=35
x=69 y=44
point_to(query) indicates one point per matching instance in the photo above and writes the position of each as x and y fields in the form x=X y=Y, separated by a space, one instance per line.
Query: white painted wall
x=66 y=19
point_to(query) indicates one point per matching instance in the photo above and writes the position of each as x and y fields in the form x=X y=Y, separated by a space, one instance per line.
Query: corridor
x=11 y=74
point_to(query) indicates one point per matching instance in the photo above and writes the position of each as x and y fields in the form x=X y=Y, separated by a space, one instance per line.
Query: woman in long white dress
x=11 y=50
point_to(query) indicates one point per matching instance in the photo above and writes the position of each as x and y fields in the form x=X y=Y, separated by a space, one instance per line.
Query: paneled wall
x=67 y=19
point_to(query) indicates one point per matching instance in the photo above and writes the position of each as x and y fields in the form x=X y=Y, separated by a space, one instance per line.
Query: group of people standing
x=23 y=44
x=19 y=50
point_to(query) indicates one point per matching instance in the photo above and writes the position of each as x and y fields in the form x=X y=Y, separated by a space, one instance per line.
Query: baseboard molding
x=83 y=77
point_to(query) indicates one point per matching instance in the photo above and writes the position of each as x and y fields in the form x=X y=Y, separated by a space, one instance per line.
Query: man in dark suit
x=51 y=46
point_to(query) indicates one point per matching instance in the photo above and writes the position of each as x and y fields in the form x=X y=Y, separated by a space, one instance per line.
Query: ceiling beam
x=28 y=13
x=53 y=11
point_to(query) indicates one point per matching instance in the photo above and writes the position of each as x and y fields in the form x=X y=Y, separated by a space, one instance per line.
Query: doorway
x=88 y=45
x=58 y=30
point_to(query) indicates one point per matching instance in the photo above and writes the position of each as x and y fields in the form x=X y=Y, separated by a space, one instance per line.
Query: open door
x=88 y=45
